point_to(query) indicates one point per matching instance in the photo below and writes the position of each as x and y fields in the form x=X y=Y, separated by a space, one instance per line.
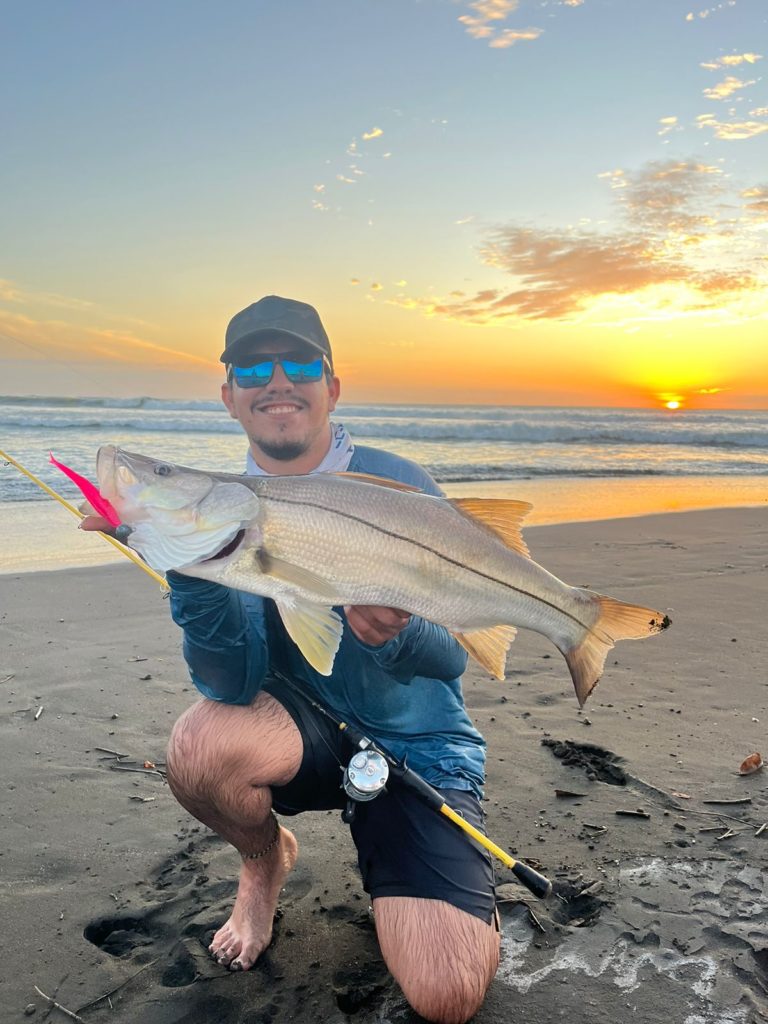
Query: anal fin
x=489 y=647
x=315 y=629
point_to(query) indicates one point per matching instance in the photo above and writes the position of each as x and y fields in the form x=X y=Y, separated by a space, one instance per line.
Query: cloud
x=758 y=201
x=511 y=36
x=732 y=61
x=374 y=133
x=727 y=88
x=11 y=292
x=71 y=343
x=730 y=131
x=710 y=10
x=668 y=124
x=679 y=241
x=485 y=20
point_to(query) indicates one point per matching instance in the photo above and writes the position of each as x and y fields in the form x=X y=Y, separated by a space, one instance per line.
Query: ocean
x=573 y=463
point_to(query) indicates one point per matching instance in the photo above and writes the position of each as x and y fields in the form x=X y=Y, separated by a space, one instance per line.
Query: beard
x=282 y=451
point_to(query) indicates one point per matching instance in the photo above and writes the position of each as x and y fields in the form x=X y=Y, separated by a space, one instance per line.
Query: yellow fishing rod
x=365 y=778
x=76 y=512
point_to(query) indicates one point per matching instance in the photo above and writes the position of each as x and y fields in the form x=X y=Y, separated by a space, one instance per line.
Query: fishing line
x=45 y=357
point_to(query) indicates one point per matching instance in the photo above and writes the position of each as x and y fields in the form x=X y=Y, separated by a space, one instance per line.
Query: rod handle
x=532 y=879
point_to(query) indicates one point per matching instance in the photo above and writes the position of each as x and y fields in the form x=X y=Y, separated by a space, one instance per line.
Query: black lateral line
x=424 y=547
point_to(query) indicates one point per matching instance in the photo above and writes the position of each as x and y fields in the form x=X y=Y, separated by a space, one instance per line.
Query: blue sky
x=437 y=177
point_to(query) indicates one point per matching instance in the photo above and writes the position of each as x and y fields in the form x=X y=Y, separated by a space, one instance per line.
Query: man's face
x=283 y=420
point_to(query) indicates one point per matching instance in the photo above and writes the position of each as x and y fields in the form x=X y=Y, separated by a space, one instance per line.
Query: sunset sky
x=507 y=201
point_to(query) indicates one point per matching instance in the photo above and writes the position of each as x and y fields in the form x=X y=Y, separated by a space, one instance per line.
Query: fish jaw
x=177 y=516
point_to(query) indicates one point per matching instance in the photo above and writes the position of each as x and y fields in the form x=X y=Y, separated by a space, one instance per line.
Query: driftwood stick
x=145 y=771
x=116 y=988
x=720 y=814
x=58 y=1006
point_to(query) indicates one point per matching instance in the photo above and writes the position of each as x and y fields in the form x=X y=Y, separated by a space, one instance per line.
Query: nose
x=279 y=381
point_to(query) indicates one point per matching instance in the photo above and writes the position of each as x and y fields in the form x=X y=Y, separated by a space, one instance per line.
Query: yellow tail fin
x=617 y=621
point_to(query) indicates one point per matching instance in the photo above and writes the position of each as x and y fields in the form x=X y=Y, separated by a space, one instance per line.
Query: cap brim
x=239 y=347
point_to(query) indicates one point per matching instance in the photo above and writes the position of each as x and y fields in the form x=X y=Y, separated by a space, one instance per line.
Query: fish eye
x=163 y=470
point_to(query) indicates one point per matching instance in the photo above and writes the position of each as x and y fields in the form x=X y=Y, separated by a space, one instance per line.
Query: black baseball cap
x=275 y=315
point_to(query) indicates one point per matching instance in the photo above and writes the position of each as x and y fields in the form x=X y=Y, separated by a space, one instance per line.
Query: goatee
x=283 y=451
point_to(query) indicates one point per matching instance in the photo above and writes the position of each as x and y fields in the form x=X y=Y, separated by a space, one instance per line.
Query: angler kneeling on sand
x=255 y=745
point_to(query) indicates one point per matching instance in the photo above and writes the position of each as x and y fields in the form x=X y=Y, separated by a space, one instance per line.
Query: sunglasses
x=298 y=370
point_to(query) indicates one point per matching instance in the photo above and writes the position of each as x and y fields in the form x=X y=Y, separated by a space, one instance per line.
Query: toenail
x=235 y=966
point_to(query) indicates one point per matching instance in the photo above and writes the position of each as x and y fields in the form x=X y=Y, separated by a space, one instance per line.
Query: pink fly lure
x=90 y=492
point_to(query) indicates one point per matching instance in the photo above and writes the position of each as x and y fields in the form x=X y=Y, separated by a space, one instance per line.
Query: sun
x=671 y=400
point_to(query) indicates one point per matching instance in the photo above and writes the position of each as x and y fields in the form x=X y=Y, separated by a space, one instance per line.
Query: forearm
x=224 y=638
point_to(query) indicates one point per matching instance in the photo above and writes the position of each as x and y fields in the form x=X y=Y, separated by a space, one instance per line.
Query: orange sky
x=544 y=206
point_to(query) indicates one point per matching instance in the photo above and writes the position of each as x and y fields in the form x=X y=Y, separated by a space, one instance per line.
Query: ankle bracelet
x=270 y=845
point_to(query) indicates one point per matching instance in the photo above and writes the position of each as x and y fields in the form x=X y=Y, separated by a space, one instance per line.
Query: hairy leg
x=222 y=759
x=443 y=958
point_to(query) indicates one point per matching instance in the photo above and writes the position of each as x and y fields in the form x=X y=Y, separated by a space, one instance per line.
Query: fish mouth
x=229 y=548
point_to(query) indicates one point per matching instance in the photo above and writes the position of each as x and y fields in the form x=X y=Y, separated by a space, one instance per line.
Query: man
x=255 y=745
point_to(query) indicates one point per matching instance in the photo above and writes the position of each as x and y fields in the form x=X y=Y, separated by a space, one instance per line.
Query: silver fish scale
x=378 y=545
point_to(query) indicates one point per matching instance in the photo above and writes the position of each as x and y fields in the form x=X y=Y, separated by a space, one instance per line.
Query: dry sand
x=107 y=886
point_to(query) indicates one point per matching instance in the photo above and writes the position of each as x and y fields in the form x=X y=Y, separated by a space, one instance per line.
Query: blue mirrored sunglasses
x=297 y=370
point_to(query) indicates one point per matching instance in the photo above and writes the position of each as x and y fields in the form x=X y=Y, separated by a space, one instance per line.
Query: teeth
x=277 y=410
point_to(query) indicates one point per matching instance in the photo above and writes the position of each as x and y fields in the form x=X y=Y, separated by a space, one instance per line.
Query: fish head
x=176 y=516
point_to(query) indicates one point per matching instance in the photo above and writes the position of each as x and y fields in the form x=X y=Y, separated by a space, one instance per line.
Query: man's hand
x=97 y=523
x=374 y=625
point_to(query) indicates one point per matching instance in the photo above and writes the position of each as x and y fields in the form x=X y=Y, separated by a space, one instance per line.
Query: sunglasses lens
x=298 y=371
x=254 y=376
x=301 y=372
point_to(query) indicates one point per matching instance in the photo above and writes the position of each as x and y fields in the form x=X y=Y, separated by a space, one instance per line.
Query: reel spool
x=365 y=776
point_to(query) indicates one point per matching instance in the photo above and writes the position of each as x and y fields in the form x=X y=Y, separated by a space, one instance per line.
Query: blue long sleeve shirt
x=406 y=693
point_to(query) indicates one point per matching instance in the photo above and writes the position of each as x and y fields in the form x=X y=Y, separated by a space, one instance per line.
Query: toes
x=227 y=953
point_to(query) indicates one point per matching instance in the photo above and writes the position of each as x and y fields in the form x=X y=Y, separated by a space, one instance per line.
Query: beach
x=109 y=891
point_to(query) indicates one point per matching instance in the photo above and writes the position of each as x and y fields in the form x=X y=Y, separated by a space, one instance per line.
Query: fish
x=314 y=544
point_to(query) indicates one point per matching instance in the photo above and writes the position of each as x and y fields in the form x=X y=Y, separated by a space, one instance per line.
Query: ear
x=228 y=399
x=334 y=390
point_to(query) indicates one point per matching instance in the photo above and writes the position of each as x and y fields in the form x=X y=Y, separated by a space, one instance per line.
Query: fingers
x=97 y=523
x=375 y=625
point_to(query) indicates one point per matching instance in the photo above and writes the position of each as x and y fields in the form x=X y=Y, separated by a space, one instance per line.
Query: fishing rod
x=366 y=775
x=76 y=512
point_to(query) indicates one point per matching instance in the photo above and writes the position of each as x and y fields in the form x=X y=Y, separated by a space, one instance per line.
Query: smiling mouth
x=228 y=548
x=280 y=408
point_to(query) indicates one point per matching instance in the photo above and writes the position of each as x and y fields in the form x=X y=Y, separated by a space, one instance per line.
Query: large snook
x=314 y=542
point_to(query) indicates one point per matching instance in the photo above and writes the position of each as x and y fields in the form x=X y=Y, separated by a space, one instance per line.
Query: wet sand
x=108 y=888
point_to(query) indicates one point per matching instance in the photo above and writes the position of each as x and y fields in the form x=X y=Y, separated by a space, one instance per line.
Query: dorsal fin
x=489 y=647
x=381 y=481
x=503 y=516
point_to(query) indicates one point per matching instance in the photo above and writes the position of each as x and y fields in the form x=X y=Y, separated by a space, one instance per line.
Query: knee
x=447 y=998
x=192 y=760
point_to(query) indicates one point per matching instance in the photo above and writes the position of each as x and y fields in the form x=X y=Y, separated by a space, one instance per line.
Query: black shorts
x=404 y=848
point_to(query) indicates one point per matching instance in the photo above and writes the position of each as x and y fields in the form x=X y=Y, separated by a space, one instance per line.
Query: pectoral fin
x=297 y=576
x=489 y=647
x=315 y=629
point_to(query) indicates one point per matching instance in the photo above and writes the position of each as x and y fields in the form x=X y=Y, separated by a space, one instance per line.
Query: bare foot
x=240 y=942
